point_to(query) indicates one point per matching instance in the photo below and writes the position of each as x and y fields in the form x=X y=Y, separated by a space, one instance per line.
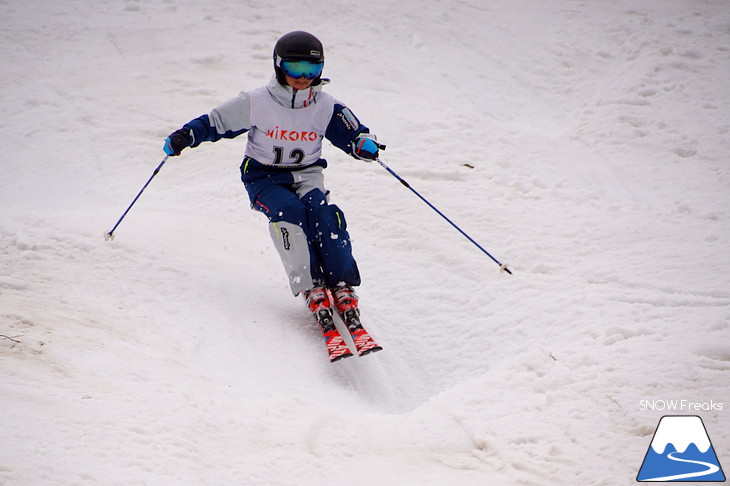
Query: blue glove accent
x=367 y=145
x=168 y=147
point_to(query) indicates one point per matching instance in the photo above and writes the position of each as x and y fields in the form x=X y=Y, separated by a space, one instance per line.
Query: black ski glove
x=177 y=141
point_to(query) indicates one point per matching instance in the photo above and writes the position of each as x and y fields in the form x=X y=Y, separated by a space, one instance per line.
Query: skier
x=286 y=122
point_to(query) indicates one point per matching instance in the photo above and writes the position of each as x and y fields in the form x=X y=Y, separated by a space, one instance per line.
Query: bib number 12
x=295 y=156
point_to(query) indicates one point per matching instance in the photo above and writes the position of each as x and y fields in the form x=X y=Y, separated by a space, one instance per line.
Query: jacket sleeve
x=343 y=128
x=227 y=120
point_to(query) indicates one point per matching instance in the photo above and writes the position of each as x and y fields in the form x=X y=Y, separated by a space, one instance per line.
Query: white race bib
x=282 y=136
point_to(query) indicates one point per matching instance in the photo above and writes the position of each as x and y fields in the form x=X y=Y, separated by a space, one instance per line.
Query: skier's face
x=298 y=83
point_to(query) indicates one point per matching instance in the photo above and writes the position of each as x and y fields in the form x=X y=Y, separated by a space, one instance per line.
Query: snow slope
x=585 y=143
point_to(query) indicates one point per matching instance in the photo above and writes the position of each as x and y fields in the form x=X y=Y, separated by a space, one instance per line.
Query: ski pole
x=502 y=266
x=110 y=235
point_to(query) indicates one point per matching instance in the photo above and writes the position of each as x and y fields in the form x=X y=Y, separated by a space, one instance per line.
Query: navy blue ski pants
x=309 y=233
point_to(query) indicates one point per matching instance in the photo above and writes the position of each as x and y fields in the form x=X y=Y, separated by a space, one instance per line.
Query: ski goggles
x=302 y=68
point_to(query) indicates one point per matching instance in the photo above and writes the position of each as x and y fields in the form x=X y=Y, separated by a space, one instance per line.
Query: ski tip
x=337 y=358
x=108 y=236
x=371 y=350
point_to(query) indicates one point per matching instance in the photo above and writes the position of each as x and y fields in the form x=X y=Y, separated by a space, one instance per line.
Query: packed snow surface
x=585 y=143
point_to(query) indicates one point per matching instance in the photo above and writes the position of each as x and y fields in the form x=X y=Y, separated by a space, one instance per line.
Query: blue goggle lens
x=299 y=69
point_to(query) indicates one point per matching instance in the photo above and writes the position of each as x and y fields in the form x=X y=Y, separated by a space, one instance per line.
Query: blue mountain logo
x=681 y=451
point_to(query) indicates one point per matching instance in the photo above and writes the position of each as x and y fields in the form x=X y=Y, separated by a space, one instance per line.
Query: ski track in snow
x=583 y=143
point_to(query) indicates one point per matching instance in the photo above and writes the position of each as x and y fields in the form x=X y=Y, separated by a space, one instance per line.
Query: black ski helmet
x=297 y=45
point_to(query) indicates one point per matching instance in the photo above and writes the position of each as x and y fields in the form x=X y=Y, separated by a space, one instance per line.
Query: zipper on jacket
x=312 y=96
